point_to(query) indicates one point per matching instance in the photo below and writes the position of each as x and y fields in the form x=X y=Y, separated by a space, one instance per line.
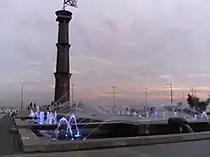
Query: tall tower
x=62 y=75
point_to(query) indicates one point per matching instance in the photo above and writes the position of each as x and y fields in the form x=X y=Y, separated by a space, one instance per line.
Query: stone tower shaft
x=62 y=74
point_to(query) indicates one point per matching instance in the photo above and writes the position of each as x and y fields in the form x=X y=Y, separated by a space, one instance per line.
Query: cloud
x=142 y=48
x=165 y=76
x=199 y=75
x=93 y=59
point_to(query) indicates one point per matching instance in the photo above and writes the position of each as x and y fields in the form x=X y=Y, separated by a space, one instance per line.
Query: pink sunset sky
x=134 y=45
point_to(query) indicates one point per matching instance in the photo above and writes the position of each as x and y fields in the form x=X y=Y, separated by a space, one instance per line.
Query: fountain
x=75 y=121
x=128 y=113
x=195 y=116
x=32 y=114
x=55 y=116
x=68 y=128
x=36 y=115
x=164 y=115
x=118 y=113
x=123 y=112
x=102 y=123
x=175 y=114
x=204 y=115
x=64 y=121
x=156 y=114
x=37 y=109
x=50 y=118
x=147 y=115
x=41 y=118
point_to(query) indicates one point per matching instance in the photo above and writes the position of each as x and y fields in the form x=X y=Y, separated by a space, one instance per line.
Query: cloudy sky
x=133 y=44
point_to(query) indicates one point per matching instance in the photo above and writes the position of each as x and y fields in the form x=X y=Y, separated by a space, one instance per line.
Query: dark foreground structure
x=10 y=141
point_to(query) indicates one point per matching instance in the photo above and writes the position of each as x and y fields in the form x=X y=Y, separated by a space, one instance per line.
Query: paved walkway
x=2 y=115
x=185 y=149
x=9 y=141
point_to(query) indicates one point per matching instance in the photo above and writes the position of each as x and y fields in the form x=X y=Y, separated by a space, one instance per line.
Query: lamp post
x=193 y=91
x=21 y=99
x=146 y=99
x=183 y=98
x=171 y=91
x=114 y=102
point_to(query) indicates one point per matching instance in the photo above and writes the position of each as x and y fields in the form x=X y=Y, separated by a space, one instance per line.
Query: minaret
x=62 y=75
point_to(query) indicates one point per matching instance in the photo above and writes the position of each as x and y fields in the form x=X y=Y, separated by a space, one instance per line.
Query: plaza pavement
x=184 y=149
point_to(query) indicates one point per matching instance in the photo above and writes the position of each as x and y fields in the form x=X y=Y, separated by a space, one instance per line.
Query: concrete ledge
x=28 y=138
x=52 y=146
x=20 y=122
x=27 y=133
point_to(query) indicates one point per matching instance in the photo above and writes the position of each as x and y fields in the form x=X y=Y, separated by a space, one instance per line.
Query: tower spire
x=62 y=75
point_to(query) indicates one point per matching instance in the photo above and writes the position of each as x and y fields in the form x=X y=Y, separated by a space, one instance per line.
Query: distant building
x=8 y=109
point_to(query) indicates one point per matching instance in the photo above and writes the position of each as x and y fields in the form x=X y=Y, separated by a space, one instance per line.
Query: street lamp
x=193 y=92
x=114 y=103
x=146 y=95
x=183 y=98
x=21 y=99
x=171 y=90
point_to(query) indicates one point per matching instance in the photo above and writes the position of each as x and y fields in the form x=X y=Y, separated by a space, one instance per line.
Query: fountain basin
x=52 y=134
x=33 y=144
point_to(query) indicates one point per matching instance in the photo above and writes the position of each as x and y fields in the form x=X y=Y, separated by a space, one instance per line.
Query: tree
x=195 y=103
x=202 y=106
x=208 y=100
x=192 y=101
